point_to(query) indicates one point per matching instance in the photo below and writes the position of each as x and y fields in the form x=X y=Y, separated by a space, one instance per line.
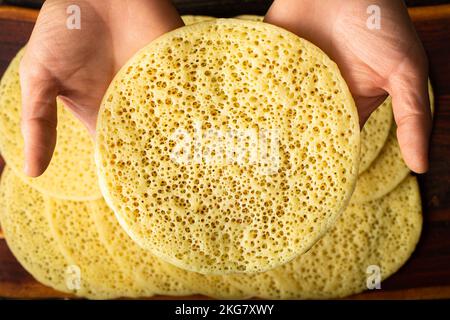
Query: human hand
x=374 y=63
x=77 y=65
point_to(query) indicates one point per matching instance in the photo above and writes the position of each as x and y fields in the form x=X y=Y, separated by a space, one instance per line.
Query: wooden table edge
x=417 y=13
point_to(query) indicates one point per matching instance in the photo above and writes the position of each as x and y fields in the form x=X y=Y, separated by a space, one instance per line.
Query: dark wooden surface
x=221 y=8
x=425 y=275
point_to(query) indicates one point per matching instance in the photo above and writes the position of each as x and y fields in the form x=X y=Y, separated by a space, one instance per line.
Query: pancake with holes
x=369 y=240
x=228 y=146
x=71 y=173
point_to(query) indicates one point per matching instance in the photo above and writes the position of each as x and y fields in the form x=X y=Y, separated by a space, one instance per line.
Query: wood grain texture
x=426 y=275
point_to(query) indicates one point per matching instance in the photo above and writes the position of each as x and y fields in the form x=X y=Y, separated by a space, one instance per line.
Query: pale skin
x=78 y=65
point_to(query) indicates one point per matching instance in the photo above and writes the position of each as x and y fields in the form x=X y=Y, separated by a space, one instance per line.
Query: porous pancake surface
x=369 y=240
x=228 y=146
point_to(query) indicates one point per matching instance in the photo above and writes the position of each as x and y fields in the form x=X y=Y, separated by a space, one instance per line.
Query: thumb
x=39 y=118
x=409 y=90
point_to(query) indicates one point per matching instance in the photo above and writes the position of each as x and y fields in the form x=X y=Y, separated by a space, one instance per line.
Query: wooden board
x=221 y=8
x=425 y=275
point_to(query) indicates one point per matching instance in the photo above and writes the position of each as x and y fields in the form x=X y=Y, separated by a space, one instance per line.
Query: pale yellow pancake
x=377 y=236
x=250 y=209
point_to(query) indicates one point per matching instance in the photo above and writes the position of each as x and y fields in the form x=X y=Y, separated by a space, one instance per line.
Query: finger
x=38 y=119
x=411 y=106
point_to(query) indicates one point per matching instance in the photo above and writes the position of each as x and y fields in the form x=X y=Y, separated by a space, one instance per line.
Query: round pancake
x=71 y=173
x=228 y=146
x=375 y=133
x=375 y=236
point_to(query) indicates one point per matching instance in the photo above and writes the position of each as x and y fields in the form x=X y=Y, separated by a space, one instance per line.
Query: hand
x=374 y=63
x=77 y=65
